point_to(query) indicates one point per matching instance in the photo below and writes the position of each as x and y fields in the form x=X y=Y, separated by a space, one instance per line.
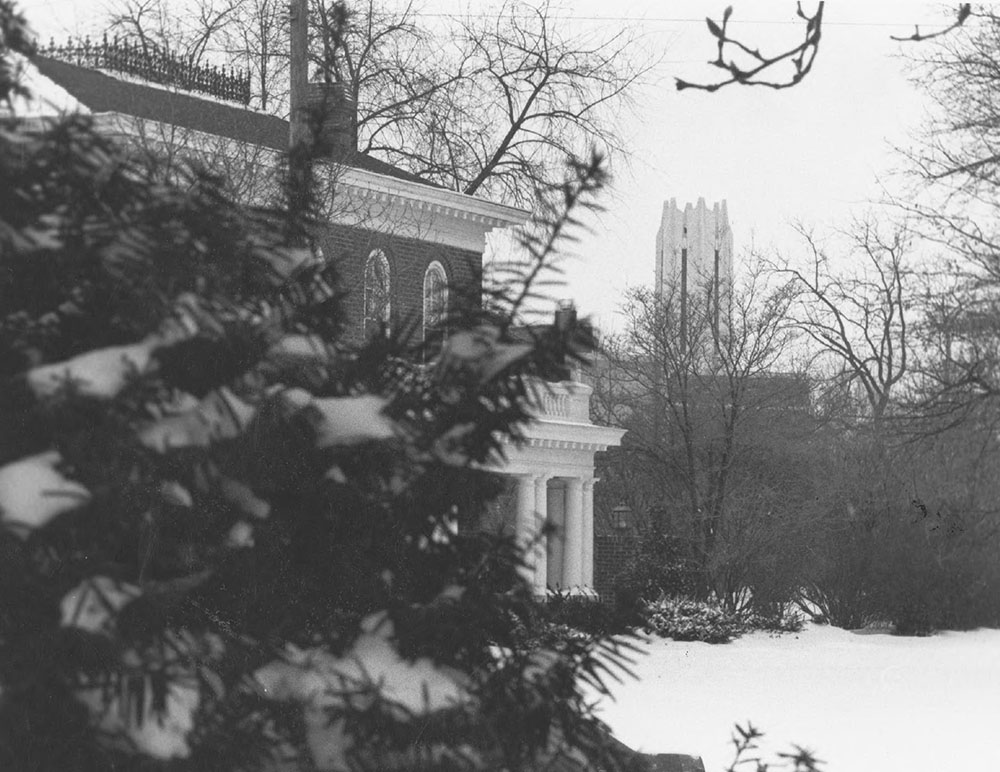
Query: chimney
x=332 y=116
x=565 y=317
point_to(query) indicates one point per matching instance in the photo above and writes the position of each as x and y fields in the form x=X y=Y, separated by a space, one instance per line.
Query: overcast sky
x=815 y=153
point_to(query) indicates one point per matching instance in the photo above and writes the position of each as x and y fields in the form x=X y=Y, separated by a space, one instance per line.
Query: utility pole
x=298 y=69
x=299 y=133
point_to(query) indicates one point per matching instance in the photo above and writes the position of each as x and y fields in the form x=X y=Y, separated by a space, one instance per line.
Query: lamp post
x=621 y=516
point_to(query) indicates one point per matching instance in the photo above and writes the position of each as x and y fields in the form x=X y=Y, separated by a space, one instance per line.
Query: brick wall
x=612 y=553
x=408 y=260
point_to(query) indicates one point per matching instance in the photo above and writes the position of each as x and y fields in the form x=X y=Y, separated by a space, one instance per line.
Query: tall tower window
x=435 y=299
x=715 y=291
x=684 y=296
x=378 y=293
x=694 y=266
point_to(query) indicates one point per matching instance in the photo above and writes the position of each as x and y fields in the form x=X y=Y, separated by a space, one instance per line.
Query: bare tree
x=399 y=74
x=957 y=166
x=156 y=27
x=556 y=94
x=700 y=401
x=858 y=316
x=256 y=38
x=957 y=152
x=491 y=103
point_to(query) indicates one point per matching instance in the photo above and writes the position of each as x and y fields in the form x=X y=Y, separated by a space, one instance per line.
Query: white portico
x=554 y=473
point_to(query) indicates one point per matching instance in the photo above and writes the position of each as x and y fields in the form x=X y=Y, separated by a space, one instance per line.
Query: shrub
x=780 y=618
x=938 y=573
x=912 y=569
x=537 y=632
x=587 y=614
x=745 y=741
x=841 y=586
x=226 y=538
x=662 y=566
x=563 y=617
x=684 y=619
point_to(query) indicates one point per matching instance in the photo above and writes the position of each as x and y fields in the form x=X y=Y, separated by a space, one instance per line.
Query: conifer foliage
x=226 y=540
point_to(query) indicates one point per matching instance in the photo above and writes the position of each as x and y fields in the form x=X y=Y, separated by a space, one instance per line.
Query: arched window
x=435 y=299
x=378 y=292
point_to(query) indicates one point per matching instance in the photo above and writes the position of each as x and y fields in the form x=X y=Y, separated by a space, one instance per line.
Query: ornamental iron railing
x=154 y=64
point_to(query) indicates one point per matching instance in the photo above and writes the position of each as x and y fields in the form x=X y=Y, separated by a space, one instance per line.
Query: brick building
x=401 y=246
x=400 y=243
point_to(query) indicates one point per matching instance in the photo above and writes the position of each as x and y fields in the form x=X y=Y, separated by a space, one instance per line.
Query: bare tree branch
x=489 y=104
x=495 y=104
x=801 y=57
x=963 y=13
x=747 y=66
x=694 y=397
x=861 y=322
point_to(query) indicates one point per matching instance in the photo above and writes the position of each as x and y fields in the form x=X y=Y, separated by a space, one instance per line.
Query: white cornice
x=556 y=448
x=412 y=210
x=386 y=204
x=449 y=203
x=546 y=432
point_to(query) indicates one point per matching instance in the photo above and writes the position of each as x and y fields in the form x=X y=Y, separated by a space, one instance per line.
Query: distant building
x=694 y=259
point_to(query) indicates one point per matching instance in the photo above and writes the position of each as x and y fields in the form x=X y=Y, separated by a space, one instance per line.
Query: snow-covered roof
x=96 y=91
x=46 y=96
x=61 y=86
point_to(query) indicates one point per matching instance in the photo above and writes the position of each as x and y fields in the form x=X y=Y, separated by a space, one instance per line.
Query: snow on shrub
x=373 y=663
x=200 y=530
x=33 y=491
x=101 y=373
x=158 y=731
x=684 y=619
x=220 y=415
x=372 y=669
x=93 y=603
x=781 y=618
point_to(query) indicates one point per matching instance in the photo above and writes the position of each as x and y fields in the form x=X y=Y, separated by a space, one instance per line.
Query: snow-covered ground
x=861 y=702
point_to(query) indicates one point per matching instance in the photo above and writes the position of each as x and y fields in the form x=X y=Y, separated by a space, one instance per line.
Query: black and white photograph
x=501 y=386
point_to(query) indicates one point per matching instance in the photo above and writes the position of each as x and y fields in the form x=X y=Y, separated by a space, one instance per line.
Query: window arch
x=435 y=299
x=378 y=292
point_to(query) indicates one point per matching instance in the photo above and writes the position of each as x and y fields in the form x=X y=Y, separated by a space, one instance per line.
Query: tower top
x=696 y=241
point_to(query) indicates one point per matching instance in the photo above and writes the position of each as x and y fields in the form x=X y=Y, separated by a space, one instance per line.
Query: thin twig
x=801 y=56
x=964 y=11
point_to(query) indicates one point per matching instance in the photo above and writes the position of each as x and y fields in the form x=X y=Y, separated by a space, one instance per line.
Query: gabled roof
x=101 y=93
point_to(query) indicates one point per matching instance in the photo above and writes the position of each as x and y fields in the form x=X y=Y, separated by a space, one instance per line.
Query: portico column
x=573 y=555
x=540 y=552
x=524 y=525
x=588 y=533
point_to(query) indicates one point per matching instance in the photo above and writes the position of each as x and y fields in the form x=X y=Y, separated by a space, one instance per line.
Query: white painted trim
x=377 y=256
x=437 y=200
x=434 y=269
x=385 y=204
x=570 y=435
